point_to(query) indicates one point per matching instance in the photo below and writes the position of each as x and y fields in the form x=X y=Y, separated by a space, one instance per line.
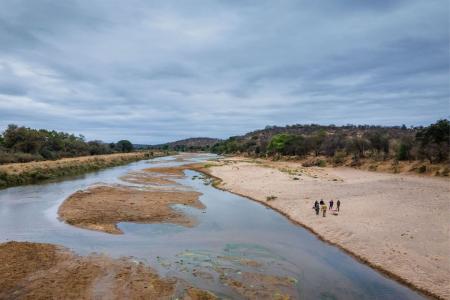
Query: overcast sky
x=156 y=71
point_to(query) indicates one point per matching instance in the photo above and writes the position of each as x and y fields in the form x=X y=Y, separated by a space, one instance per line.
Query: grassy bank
x=34 y=172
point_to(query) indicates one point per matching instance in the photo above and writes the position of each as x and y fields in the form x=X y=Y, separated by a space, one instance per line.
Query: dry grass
x=33 y=172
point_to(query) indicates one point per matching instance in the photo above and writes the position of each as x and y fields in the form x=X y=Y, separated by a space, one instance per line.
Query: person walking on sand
x=331 y=204
x=338 y=204
x=324 y=210
x=316 y=207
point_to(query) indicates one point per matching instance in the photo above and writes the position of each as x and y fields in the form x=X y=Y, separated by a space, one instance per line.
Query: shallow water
x=230 y=229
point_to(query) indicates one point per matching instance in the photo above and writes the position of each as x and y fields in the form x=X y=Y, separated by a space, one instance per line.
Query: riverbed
x=235 y=240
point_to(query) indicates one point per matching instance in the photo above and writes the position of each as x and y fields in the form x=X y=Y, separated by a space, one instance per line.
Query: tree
x=357 y=146
x=379 y=141
x=434 y=141
x=316 y=141
x=23 y=139
x=289 y=144
x=97 y=147
x=403 y=152
x=297 y=145
x=278 y=143
x=404 y=149
x=124 y=146
x=332 y=144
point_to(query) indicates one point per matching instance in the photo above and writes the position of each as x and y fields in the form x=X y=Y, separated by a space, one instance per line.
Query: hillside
x=341 y=144
x=190 y=144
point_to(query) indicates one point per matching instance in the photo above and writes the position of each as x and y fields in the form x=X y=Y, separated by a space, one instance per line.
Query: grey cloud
x=157 y=71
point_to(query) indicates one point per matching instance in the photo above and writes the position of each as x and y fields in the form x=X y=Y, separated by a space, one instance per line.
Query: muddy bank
x=395 y=223
x=102 y=207
x=45 y=271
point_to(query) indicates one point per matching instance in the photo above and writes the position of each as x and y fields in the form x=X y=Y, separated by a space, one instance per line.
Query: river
x=230 y=230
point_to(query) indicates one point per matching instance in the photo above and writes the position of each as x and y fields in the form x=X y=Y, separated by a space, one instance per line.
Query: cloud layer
x=155 y=71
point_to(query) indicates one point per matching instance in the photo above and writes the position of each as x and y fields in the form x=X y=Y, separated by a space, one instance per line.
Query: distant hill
x=190 y=144
x=141 y=146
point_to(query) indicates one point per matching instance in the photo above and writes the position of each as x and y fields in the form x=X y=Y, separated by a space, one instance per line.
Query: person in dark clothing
x=338 y=203
x=316 y=207
x=331 y=205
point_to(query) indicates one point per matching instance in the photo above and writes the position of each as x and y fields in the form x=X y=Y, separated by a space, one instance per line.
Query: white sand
x=398 y=223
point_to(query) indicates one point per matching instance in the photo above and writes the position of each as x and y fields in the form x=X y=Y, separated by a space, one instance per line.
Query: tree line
x=22 y=144
x=397 y=142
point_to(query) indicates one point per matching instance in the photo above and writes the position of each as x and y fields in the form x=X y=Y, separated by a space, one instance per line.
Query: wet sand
x=146 y=178
x=396 y=223
x=45 y=271
x=102 y=207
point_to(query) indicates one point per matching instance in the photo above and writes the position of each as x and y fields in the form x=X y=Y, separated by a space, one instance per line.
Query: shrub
x=339 y=157
x=422 y=169
x=270 y=198
x=321 y=163
x=434 y=141
x=27 y=157
x=403 y=151
x=373 y=167
x=7 y=158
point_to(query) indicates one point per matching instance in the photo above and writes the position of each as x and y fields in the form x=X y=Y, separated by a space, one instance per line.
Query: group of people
x=321 y=206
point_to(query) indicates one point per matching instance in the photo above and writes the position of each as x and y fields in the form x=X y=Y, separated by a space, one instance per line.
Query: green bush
x=339 y=157
x=403 y=152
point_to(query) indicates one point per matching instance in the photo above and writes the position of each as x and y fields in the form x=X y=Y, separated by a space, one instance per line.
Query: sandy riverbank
x=396 y=223
x=45 y=271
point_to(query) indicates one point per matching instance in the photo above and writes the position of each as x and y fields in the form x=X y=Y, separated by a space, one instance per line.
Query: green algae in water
x=240 y=269
x=250 y=250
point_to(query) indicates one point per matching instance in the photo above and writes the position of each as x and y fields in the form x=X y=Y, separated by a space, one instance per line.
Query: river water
x=231 y=230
